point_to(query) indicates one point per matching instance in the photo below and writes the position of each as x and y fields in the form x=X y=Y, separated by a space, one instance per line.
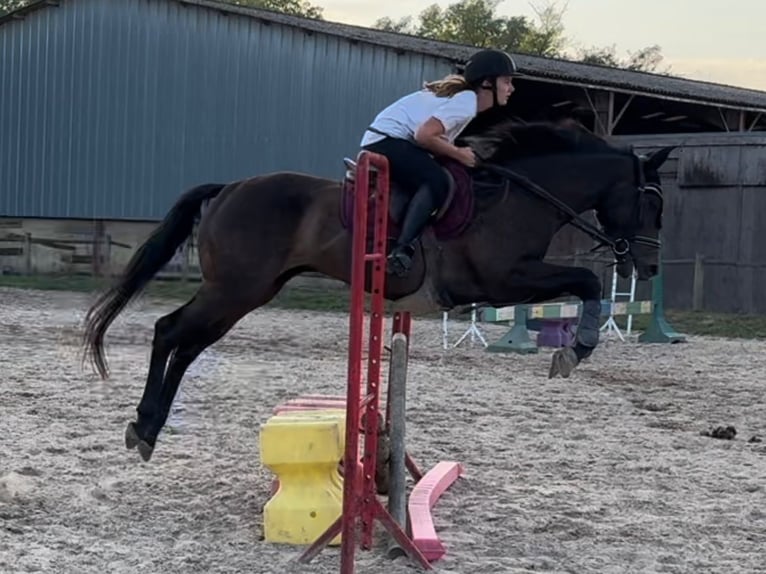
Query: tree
x=11 y=5
x=403 y=26
x=546 y=38
x=293 y=7
x=476 y=23
x=647 y=59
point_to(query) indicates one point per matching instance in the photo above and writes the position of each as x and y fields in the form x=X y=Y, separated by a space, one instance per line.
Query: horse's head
x=627 y=191
x=632 y=217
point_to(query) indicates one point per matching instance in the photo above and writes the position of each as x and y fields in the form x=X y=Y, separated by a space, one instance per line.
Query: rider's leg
x=413 y=169
x=419 y=210
x=426 y=202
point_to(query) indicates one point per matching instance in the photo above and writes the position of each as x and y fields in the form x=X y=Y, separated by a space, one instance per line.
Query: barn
x=108 y=110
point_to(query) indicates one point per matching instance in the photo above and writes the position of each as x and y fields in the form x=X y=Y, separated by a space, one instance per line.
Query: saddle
x=448 y=222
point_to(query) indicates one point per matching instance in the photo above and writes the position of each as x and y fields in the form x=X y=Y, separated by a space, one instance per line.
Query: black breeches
x=412 y=168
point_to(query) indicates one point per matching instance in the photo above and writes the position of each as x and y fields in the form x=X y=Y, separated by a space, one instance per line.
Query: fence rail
x=93 y=250
x=91 y=253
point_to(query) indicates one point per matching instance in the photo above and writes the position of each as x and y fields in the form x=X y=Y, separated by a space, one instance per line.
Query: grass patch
x=730 y=325
x=334 y=297
x=301 y=296
x=77 y=283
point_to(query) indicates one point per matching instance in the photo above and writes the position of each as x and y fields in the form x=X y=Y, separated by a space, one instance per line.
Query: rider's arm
x=452 y=116
x=432 y=136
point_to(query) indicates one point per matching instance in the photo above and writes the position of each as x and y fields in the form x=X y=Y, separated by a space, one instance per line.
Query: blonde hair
x=447 y=86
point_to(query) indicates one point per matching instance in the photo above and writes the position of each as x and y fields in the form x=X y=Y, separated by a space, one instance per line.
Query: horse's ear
x=656 y=159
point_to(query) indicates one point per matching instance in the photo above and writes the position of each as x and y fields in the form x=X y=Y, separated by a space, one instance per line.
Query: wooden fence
x=91 y=254
x=86 y=252
x=713 y=254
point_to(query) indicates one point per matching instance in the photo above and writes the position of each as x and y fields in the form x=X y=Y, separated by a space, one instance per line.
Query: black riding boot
x=419 y=211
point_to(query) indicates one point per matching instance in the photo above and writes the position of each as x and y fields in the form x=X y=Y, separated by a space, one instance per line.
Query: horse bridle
x=620 y=246
x=654 y=189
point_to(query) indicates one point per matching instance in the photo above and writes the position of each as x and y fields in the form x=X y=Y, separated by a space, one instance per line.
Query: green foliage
x=322 y=295
x=11 y=5
x=476 y=23
x=647 y=59
x=293 y=7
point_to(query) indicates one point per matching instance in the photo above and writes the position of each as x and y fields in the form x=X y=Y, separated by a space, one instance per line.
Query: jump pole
x=360 y=502
x=659 y=330
x=395 y=425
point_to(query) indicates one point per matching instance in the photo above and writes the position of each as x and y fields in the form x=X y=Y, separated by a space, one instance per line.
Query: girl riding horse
x=424 y=124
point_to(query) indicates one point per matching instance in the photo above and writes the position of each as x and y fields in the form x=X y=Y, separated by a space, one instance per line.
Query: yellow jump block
x=302 y=449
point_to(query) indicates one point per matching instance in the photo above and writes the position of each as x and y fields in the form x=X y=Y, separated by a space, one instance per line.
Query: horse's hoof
x=131 y=436
x=132 y=440
x=563 y=363
x=145 y=450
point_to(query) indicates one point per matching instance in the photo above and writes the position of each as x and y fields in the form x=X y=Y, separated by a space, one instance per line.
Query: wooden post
x=698 y=289
x=185 y=261
x=27 y=253
x=610 y=114
x=107 y=269
x=396 y=415
x=601 y=104
x=659 y=330
x=98 y=239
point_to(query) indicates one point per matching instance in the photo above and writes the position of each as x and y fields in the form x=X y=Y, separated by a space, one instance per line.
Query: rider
x=423 y=124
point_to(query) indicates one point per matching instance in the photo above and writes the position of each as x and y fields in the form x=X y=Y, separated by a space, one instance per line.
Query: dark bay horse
x=258 y=233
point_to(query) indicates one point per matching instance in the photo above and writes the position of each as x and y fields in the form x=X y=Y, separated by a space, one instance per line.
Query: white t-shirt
x=402 y=118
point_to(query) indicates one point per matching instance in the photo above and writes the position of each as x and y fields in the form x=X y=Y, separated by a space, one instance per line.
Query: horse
x=255 y=234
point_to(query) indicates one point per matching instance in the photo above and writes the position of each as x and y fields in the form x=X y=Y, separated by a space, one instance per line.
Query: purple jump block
x=556 y=332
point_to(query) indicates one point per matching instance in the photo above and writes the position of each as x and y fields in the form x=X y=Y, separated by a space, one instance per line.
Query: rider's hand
x=466 y=156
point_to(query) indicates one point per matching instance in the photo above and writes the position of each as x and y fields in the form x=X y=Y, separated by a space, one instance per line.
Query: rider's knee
x=439 y=186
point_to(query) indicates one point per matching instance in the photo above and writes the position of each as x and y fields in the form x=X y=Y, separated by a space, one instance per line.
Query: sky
x=708 y=40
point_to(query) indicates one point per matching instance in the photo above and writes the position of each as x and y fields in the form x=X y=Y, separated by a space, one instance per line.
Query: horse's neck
x=577 y=180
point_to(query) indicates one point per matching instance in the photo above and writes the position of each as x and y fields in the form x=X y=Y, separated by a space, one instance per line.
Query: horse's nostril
x=653 y=269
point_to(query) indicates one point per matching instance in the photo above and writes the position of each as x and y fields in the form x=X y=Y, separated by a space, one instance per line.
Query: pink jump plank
x=311 y=402
x=307 y=407
x=322 y=397
x=315 y=402
x=306 y=403
x=424 y=496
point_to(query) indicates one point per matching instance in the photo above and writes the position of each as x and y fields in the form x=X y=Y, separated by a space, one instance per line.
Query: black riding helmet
x=489 y=64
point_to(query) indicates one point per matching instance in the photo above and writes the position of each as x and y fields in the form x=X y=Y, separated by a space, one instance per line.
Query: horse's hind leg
x=162 y=347
x=183 y=335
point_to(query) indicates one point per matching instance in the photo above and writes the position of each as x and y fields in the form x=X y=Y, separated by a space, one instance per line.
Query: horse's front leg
x=565 y=360
x=537 y=282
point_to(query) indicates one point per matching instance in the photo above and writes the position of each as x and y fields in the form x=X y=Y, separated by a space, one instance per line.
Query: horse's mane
x=514 y=139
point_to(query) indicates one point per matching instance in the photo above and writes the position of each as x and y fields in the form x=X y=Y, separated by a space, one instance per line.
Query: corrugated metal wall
x=111 y=109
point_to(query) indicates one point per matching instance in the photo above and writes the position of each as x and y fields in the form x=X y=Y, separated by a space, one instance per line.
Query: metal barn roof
x=537 y=67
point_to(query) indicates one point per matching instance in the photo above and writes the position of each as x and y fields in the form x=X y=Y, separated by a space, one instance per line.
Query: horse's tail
x=148 y=259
